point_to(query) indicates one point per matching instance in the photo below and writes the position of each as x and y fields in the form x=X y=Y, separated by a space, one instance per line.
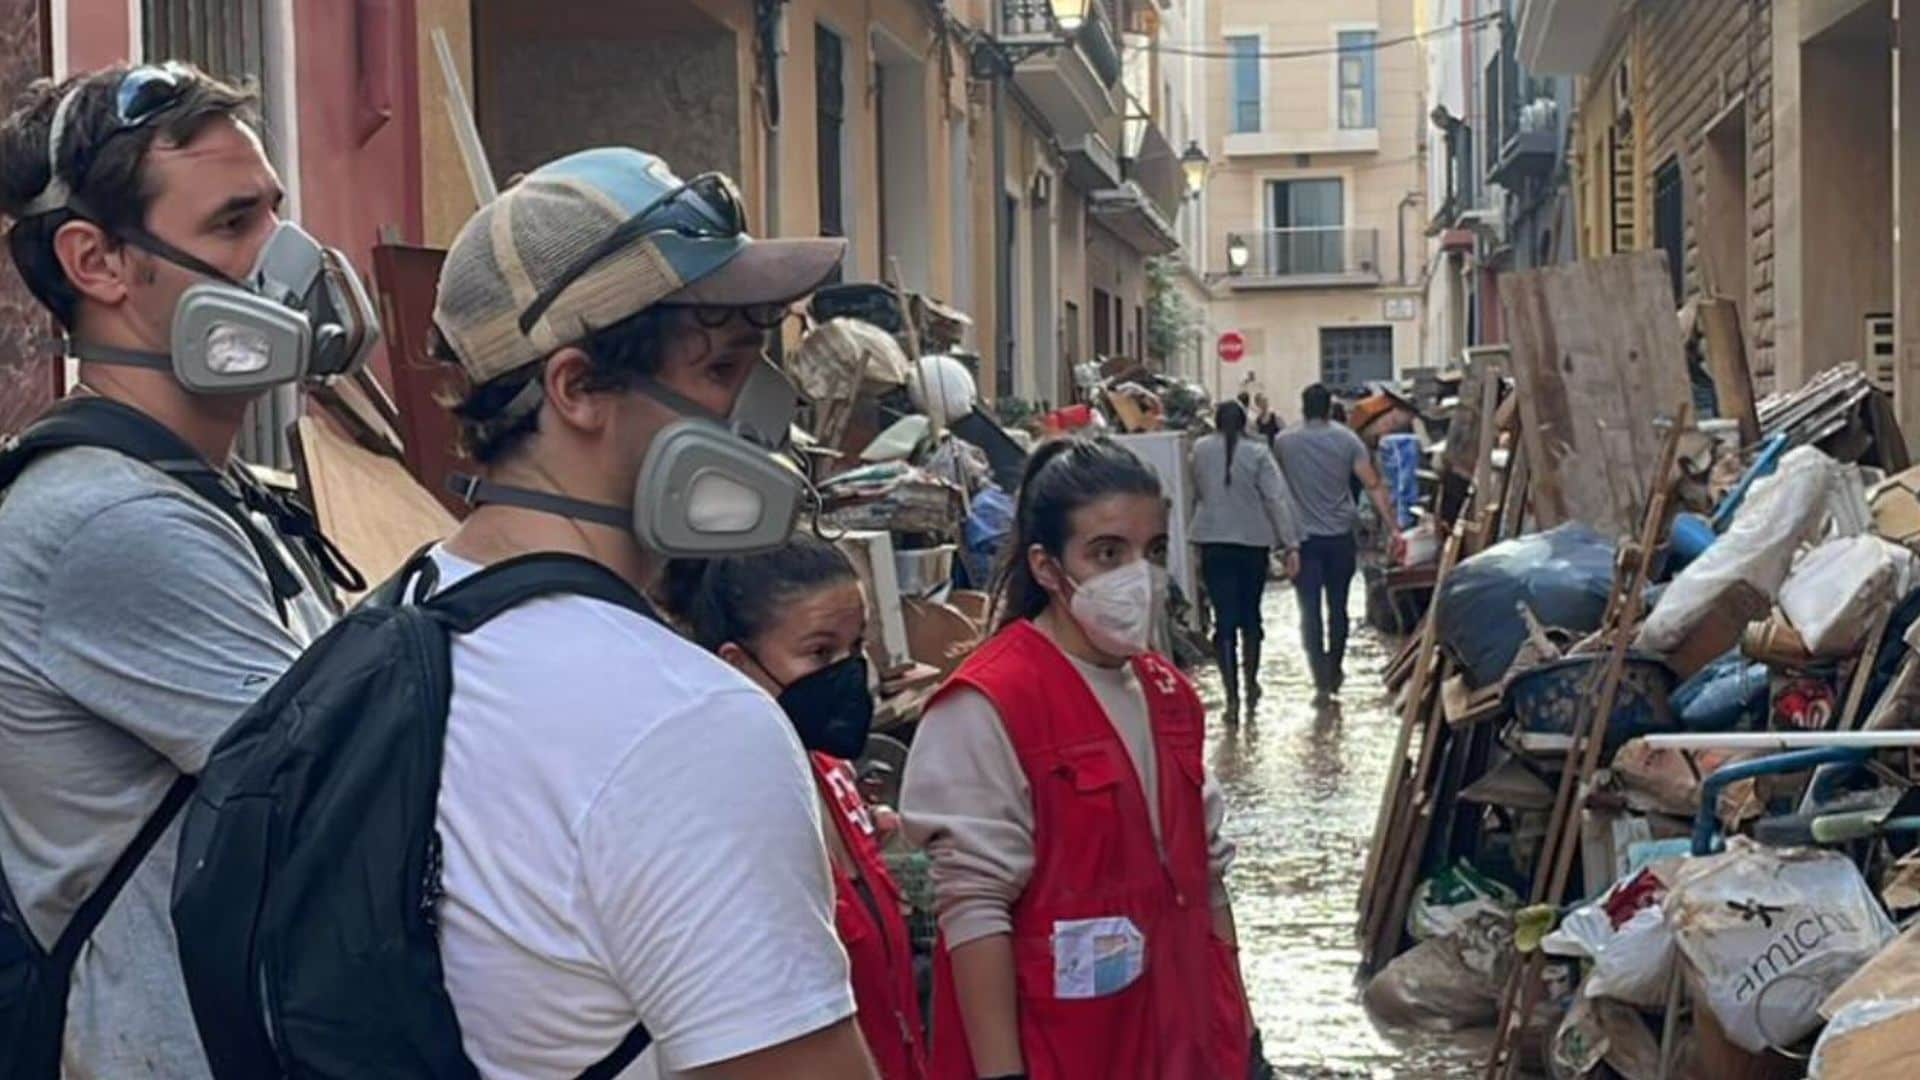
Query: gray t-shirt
x=1318 y=459
x=136 y=624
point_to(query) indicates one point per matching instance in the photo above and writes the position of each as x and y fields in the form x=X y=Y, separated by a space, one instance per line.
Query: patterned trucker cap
x=595 y=237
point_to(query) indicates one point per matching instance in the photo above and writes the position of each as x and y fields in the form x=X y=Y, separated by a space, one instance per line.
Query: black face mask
x=831 y=709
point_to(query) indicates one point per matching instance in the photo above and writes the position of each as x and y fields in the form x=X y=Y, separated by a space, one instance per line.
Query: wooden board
x=406 y=278
x=1463 y=433
x=366 y=502
x=1727 y=363
x=1597 y=357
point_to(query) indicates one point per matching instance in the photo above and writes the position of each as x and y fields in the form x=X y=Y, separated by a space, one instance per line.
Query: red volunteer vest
x=873 y=928
x=1184 y=1017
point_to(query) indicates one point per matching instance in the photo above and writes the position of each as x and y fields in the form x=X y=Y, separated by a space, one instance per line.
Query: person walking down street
x=794 y=620
x=1322 y=460
x=1243 y=513
x=1057 y=783
x=1266 y=421
x=150 y=589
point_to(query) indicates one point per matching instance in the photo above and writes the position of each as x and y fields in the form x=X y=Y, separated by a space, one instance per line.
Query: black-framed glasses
x=705 y=207
x=758 y=316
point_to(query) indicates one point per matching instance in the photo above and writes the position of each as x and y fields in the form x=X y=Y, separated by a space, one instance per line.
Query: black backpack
x=309 y=864
x=34 y=981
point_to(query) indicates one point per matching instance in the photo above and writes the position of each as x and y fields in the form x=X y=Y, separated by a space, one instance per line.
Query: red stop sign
x=1233 y=347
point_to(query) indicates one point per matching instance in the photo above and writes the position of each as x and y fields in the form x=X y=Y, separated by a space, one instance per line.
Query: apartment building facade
x=1498 y=142
x=1315 y=200
x=1013 y=157
x=1766 y=146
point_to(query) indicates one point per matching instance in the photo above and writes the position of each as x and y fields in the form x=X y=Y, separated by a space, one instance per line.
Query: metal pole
x=1786 y=740
x=465 y=133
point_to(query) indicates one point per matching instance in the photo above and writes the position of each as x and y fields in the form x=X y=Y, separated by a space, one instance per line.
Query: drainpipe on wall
x=1400 y=227
x=1002 y=270
x=772 y=19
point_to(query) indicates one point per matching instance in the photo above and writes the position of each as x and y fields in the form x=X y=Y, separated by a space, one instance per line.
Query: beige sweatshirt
x=965 y=800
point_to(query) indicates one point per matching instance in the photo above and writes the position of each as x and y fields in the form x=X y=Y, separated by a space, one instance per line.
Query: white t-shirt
x=631 y=833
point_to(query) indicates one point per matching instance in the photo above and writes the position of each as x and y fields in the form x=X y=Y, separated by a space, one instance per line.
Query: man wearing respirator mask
x=150 y=589
x=631 y=830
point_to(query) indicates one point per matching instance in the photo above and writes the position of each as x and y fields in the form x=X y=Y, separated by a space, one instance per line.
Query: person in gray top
x=137 y=618
x=1321 y=459
x=1242 y=513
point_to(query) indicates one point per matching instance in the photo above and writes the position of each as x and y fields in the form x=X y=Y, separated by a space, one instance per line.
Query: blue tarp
x=1563 y=576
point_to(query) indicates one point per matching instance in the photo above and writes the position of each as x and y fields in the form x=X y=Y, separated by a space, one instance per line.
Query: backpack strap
x=469 y=604
x=622 y=1056
x=111 y=425
x=79 y=928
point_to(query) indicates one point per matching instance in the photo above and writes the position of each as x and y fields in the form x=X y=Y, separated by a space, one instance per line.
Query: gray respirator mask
x=300 y=313
x=709 y=485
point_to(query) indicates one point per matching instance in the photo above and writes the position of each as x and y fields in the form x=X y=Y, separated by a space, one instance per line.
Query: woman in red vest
x=1056 y=781
x=793 y=620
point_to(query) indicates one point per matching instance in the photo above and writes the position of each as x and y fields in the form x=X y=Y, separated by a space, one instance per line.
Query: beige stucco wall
x=1282 y=329
x=1300 y=114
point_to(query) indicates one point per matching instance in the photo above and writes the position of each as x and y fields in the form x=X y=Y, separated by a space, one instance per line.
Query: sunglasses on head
x=705 y=207
x=142 y=94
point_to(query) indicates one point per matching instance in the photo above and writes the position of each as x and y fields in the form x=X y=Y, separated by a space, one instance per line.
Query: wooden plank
x=1382 y=899
x=1727 y=363
x=1590 y=734
x=367 y=503
x=1863 y=672
x=405 y=279
x=1463 y=433
x=1597 y=357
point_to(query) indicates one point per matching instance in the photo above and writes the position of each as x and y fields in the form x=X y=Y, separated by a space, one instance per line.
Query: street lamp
x=1238 y=254
x=1070 y=14
x=1193 y=163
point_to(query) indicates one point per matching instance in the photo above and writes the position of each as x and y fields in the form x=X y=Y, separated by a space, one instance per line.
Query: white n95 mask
x=1115 y=609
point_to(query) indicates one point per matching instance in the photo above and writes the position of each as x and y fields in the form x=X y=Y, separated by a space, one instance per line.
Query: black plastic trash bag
x=1563 y=576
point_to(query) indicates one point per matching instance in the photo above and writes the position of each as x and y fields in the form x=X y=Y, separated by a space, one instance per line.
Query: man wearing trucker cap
x=630 y=830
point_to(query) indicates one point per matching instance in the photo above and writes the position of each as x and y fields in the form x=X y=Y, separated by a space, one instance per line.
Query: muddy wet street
x=1304 y=787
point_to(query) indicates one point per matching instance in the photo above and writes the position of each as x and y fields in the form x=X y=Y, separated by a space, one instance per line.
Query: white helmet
x=949 y=385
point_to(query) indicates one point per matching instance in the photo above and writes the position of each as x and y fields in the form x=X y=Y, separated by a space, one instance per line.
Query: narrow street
x=1303 y=786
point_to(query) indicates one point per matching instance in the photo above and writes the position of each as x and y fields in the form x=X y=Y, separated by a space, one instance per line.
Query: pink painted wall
x=359 y=116
x=99 y=34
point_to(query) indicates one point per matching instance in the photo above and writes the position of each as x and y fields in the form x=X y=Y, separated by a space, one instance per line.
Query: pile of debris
x=1653 y=810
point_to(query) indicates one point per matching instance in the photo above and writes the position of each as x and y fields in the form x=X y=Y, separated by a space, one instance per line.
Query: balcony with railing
x=1303 y=258
x=1067 y=71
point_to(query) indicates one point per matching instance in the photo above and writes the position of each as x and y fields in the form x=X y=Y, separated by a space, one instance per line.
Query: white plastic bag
x=1781 y=512
x=1768 y=933
x=1631 y=962
x=1838 y=589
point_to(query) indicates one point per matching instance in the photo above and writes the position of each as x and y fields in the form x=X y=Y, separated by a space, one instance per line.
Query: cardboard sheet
x=366 y=502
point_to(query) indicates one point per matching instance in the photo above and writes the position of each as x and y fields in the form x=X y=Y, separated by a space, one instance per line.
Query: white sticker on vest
x=1096 y=957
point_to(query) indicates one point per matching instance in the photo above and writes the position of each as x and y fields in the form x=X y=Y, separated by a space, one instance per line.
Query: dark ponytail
x=738 y=598
x=1062 y=476
x=1231 y=418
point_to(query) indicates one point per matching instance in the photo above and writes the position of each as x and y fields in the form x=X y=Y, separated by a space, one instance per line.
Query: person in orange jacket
x=793 y=620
